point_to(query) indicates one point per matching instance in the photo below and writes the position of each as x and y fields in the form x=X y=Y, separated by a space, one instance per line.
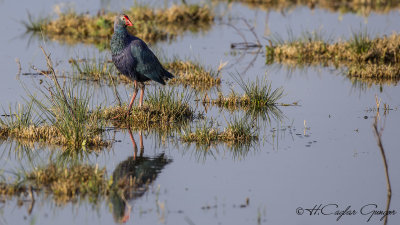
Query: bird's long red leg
x=133 y=98
x=141 y=96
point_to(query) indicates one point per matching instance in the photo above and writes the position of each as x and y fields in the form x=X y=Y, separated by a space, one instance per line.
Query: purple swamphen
x=134 y=59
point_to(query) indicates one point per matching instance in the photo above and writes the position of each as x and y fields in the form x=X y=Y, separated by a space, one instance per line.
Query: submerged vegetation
x=364 y=57
x=148 y=23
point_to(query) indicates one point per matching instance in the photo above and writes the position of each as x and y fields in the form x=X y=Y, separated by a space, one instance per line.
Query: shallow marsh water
x=332 y=159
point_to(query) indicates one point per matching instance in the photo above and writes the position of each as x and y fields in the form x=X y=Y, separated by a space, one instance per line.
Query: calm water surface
x=332 y=159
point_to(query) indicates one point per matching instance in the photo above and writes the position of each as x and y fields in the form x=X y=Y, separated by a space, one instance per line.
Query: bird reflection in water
x=132 y=177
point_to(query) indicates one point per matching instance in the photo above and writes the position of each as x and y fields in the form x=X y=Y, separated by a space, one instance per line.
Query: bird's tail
x=167 y=75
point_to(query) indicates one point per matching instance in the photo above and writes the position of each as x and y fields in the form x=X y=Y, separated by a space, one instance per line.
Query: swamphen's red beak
x=128 y=21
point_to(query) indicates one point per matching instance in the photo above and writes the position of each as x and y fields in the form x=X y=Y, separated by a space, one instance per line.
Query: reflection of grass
x=70 y=180
x=162 y=109
x=67 y=183
x=149 y=24
x=363 y=56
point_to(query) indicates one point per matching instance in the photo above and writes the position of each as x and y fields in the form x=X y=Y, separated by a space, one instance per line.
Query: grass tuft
x=237 y=131
x=257 y=94
x=35 y=24
x=162 y=108
x=64 y=116
x=360 y=42
x=192 y=74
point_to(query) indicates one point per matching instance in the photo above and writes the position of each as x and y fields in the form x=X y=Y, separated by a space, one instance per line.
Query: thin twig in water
x=378 y=135
x=245 y=45
x=251 y=28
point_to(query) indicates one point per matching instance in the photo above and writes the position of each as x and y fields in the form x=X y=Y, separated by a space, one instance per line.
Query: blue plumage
x=134 y=59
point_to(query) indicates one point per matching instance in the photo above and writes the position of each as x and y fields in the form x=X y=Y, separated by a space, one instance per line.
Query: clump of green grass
x=360 y=42
x=257 y=94
x=22 y=116
x=162 y=108
x=64 y=115
x=241 y=130
x=237 y=131
x=70 y=119
x=68 y=110
x=204 y=133
x=149 y=24
x=192 y=74
x=35 y=24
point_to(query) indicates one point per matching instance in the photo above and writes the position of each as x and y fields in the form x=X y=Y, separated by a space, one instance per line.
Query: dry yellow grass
x=192 y=74
x=364 y=57
x=51 y=135
x=362 y=7
x=162 y=109
x=214 y=135
x=146 y=117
